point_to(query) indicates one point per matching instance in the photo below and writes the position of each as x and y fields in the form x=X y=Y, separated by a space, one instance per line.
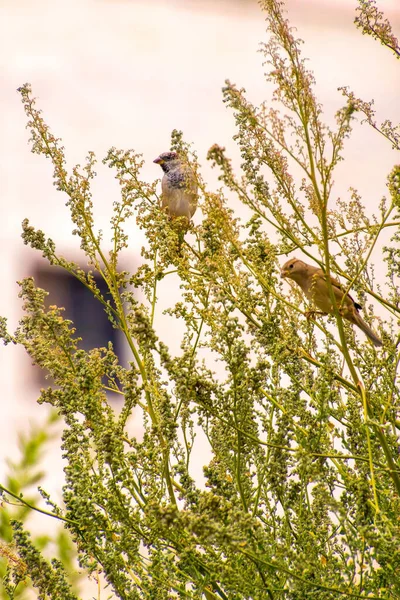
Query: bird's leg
x=309 y=314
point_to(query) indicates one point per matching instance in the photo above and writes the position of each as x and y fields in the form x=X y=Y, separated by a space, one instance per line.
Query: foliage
x=17 y=505
x=301 y=494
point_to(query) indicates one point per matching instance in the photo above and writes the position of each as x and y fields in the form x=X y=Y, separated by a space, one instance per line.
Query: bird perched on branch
x=179 y=186
x=313 y=283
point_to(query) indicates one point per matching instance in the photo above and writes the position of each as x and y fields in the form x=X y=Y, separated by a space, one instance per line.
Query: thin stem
x=154 y=298
x=35 y=508
x=371 y=466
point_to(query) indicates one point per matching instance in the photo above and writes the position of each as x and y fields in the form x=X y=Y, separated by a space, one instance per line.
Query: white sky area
x=124 y=74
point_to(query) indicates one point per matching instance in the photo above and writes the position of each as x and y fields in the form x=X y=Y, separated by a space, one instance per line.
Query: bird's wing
x=339 y=289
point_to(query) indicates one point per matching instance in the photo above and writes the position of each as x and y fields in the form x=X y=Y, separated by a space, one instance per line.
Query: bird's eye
x=291 y=266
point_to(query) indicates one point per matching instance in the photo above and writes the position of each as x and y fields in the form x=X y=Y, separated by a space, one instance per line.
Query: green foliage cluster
x=18 y=502
x=301 y=417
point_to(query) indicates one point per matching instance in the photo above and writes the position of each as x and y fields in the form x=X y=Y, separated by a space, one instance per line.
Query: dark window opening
x=83 y=309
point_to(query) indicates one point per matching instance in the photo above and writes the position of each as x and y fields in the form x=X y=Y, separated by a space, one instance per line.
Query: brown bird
x=179 y=186
x=313 y=283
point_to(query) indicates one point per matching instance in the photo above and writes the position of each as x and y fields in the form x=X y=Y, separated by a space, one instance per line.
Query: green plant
x=18 y=502
x=301 y=495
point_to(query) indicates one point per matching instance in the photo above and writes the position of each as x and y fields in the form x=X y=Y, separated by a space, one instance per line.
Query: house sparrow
x=179 y=186
x=312 y=281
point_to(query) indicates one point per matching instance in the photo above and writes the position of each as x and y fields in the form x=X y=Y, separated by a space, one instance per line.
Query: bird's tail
x=366 y=329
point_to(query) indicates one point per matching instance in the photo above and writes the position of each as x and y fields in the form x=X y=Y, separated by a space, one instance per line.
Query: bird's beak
x=283 y=274
x=158 y=161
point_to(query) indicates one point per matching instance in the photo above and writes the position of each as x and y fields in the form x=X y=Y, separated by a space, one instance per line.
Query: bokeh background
x=125 y=73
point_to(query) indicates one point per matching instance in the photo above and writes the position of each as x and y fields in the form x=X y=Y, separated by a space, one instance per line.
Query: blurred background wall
x=125 y=73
